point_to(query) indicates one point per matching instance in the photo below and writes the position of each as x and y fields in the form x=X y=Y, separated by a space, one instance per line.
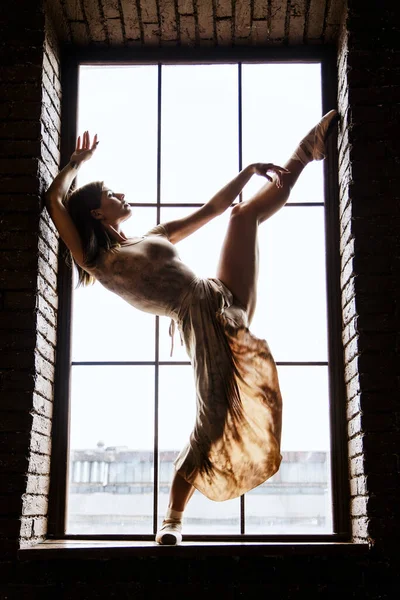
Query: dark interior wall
x=30 y=131
x=369 y=91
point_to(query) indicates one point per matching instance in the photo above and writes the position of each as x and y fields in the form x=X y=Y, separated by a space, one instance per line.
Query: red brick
x=378 y=422
x=383 y=481
x=355 y=446
x=357 y=466
x=43 y=387
x=378 y=382
x=349 y=331
x=45 y=349
x=351 y=369
x=38 y=484
x=353 y=407
x=9 y=528
x=15 y=281
x=41 y=425
x=48 y=254
x=376 y=402
x=358 y=486
x=15 y=442
x=11 y=483
x=16 y=400
x=47 y=292
x=16 y=380
x=31 y=92
x=17 y=340
x=381 y=463
x=15 y=240
x=48 y=273
x=41 y=444
x=388 y=528
x=40 y=526
x=26 y=527
x=376 y=322
x=48 y=235
x=43 y=367
x=355 y=426
x=359 y=527
x=39 y=464
x=19 y=260
x=205 y=19
x=185 y=7
x=11 y=505
x=15 y=421
x=46 y=326
x=350 y=308
x=12 y=463
x=358 y=506
x=187 y=28
x=42 y=406
x=23 y=184
x=22 y=130
x=34 y=505
x=131 y=20
x=351 y=350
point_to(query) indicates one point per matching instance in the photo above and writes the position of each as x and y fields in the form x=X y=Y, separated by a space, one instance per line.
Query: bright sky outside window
x=199 y=153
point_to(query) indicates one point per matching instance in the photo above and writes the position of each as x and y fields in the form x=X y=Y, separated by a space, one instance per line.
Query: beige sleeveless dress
x=235 y=443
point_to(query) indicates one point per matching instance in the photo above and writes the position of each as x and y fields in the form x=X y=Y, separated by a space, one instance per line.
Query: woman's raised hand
x=264 y=168
x=84 y=151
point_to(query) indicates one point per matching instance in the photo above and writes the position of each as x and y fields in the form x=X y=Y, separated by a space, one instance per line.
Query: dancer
x=235 y=443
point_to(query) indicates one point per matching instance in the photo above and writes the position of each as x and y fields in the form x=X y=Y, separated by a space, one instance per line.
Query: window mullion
x=157 y=329
x=242 y=501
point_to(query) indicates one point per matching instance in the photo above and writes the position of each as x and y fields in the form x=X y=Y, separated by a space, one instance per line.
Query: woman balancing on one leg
x=235 y=444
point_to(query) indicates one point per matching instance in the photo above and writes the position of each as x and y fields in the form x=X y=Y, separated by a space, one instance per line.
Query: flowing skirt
x=235 y=443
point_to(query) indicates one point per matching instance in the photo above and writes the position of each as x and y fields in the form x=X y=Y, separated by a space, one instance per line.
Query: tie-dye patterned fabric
x=235 y=443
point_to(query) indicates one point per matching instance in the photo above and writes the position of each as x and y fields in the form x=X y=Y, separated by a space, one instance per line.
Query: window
x=170 y=136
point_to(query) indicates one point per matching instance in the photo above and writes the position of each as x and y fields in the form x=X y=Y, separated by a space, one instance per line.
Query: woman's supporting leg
x=181 y=491
x=238 y=265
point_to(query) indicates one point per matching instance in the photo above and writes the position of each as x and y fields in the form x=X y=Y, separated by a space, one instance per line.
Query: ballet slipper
x=169 y=533
x=312 y=146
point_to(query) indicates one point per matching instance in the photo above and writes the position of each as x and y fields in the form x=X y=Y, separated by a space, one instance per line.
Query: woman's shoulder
x=158 y=230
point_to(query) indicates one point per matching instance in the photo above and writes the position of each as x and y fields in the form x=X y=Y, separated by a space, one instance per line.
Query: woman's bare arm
x=57 y=192
x=181 y=228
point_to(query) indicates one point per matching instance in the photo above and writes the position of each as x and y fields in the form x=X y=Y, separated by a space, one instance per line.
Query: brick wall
x=29 y=130
x=369 y=89
x=369 y=158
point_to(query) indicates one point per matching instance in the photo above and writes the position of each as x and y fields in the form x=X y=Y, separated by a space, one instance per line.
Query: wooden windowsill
x=85 y=549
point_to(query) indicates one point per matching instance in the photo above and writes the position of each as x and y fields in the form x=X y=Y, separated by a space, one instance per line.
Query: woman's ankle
x=174 y=514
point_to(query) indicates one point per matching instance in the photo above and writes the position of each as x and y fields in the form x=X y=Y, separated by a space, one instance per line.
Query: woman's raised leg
x=238 y=264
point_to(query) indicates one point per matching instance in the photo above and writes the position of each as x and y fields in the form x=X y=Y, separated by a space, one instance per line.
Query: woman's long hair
x=93 y=236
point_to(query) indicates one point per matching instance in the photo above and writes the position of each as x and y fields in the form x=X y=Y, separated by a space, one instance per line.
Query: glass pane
x=111 y=450
x=120 y=105
x=298 y=498
x=178 y=405
x=200 y=252
x=104 y=326
x=291 y=307
x=280 y=104
x=199 y=133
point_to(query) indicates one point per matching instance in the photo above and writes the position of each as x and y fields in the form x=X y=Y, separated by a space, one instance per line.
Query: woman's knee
x=242 y=211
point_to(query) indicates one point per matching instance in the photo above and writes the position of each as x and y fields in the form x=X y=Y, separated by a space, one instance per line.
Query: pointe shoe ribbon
x=312 y=146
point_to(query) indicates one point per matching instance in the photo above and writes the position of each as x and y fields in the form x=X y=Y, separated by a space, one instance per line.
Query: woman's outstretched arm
x=57 y=192
x=181 y=228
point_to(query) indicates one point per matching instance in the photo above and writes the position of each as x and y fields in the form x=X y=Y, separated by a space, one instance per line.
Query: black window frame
x=72 y=58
